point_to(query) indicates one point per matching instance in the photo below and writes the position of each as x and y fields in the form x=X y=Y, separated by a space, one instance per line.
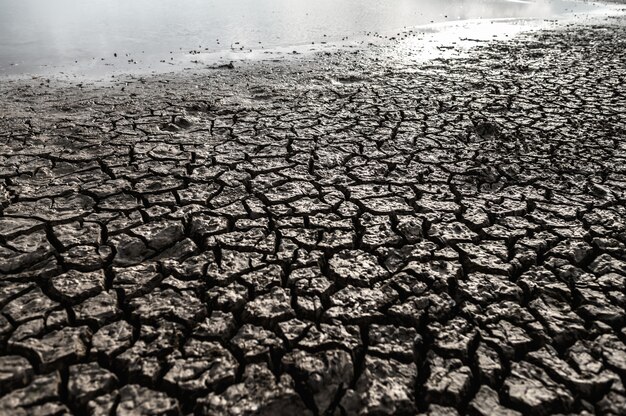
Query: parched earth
x=347 y=236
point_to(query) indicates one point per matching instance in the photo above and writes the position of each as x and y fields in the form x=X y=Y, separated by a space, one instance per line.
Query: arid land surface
x=344 y=236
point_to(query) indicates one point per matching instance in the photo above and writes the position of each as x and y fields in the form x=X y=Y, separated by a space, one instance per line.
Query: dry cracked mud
x=340 y=237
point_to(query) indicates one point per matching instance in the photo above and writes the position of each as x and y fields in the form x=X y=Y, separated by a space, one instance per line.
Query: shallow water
x=47 y=36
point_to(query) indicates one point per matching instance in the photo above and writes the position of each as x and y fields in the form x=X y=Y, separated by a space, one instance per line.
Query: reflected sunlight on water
x=58 y=33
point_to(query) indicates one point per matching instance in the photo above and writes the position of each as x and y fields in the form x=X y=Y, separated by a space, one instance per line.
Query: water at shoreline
x=37 y=36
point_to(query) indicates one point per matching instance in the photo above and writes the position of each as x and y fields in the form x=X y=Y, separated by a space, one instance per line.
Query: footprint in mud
x=486 y=129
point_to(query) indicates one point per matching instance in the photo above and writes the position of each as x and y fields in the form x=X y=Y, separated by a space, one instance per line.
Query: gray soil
x=346 y=236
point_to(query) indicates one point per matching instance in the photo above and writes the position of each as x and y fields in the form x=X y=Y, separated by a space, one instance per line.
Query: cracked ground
x=338 y=237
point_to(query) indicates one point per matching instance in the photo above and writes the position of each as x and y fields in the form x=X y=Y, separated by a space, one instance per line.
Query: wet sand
x=348 y=233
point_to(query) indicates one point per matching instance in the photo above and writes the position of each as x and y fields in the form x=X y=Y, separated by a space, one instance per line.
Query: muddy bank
x=114 y=37
x=350 y=234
